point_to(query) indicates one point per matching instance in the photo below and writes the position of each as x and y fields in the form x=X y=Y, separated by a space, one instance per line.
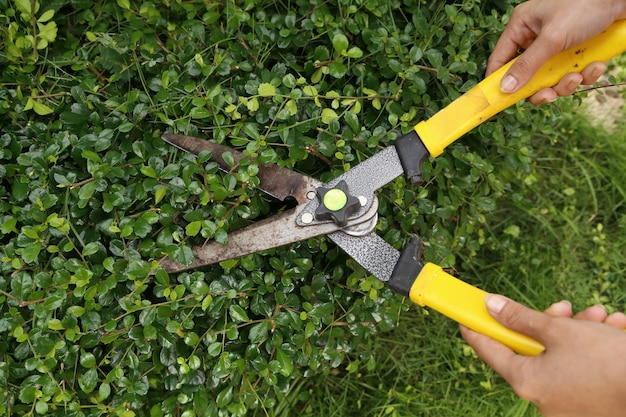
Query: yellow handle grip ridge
x=486 y=100
x=465 y=304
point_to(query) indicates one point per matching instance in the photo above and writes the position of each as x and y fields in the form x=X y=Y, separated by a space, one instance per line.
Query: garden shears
x=345 y=209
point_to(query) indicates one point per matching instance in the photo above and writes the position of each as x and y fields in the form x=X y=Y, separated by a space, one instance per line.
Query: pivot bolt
x=336 y=204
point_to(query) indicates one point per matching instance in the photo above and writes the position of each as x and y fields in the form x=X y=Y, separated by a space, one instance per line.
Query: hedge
x=91 y=198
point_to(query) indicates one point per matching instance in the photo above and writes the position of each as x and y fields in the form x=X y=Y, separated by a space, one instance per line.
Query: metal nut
x=307 y=218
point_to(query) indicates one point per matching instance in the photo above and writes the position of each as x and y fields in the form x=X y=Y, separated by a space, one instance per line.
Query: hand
x=595 y=313
x=543 y=28
x=582 y=371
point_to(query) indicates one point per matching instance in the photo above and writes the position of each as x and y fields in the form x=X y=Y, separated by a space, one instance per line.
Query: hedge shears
x=345 y=209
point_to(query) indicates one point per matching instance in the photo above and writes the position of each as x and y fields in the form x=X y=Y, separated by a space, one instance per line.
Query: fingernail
x=508 y=84
x=573 y=85
x=566 y=302
x=600 y=306
x=495 y=303
x=598 y=71
x=546 y=100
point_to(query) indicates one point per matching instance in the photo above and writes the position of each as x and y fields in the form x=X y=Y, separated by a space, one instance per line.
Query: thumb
x=527 y=64
x=519 y=318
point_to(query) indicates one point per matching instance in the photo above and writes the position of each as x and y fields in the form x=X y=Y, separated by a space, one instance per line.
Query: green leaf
x=214 y=349
x=124 y=4
x=86 y=190
x=266 y=90
x=43 y=345
x=193 y=228
x=225 y=397
x=139 y=268
x=200 y=113
x=285 y=362
x=310 y=91
x=88 y=381
x=148 y=171
x=415 y=54
x=88 y=360
x=252 y=131
x=340 y=43
x=512 y=230
x=238 y=314
x=258 y=332
x=328 y=115
x=337 y=69
x=48 y=33
x=206 y=302
x=104 y=391
x=39 y=108
x=184 y=255
x=55 y=324
x=28 y=394
x=126 y=127
x=45 y=16
x=41 y=407
x=31 y=252
x=24 y=7
x=91 y=248
x=354 y=52
x=228 y=158
x=8 y=225
x=159 y=194
x=353 y=121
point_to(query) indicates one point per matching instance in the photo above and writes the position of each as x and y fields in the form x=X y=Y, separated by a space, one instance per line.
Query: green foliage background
x=91 y=198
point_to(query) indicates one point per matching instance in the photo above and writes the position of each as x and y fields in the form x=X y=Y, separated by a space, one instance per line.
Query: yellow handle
x=465 y=304
x=485 y=99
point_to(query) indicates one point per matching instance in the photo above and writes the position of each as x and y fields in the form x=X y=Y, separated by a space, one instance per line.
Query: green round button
x=335 y=199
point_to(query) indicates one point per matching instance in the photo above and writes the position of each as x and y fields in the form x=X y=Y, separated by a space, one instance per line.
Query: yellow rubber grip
x=485 y=99
x=465 y=304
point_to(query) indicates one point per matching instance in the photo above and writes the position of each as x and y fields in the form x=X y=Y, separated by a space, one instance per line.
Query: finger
x=519 y=318
x=595 y=313
x=560 y=309
x=568 y=84
x=515 y=36
x=504 y=51
x=499 y=357
x=546 y=95
x=617 y=320
x=593 y=72
x=484 y=346
x=529 y=62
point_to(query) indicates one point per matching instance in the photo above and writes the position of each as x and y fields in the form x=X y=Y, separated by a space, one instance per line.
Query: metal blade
x=364 y=179
x=370 y=251
x=276 y=181
x=265 y=234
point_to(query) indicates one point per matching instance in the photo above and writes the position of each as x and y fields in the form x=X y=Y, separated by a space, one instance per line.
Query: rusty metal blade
x=278 y=230
x=276 y=181
x=273 y=232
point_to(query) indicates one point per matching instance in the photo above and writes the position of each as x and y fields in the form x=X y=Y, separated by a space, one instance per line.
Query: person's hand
x=542 y=29
x=595 y=313
x=582 y=371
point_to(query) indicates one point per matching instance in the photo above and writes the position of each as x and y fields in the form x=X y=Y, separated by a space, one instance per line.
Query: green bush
x=91 y=198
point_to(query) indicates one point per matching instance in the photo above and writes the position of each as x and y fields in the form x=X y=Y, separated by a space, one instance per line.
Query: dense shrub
x=91 y=198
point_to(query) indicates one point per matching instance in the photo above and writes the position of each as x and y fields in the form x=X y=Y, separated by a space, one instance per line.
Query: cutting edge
x=274 y=180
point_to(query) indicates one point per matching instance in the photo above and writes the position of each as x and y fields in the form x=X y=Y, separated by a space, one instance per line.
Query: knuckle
x=519 y=10
x=553 y=39
x=523 y=65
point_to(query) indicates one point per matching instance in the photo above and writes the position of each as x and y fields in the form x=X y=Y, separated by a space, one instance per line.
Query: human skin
x=582 y=371
x=543 y=28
